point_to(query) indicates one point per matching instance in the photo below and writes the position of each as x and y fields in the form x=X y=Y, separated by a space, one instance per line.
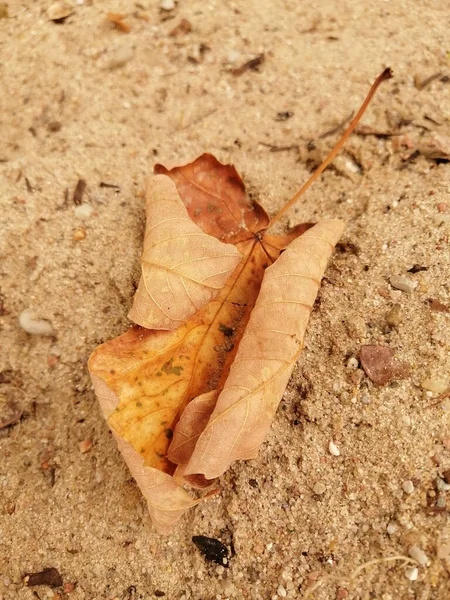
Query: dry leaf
x=166 y=501
x=268 y=351
x=147 y=378
x=183 y=268
x=186 y=400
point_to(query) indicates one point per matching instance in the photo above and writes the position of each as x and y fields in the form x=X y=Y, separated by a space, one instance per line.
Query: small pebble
x=405 y=284
x=333 y=449
x=29 y=323
x=119 y=57
x=59 y=10
x=281 y=591
x=85 y=446
x=365 y=399
x=79 y=235
x=441 y=501
x=395 y=316
x=167 y=5
x=392 y=528
x=319 y=488
x=406 y=420
x=83 y=211
x=408 y=486
x=441 y=485
x=437 y=385
x=419 y=555
x=412 y=573
x=352 y=363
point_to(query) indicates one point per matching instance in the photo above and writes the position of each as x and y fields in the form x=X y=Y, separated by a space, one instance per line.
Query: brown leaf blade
x=183 y=268
x=215 y=198
x=272 y=342
x=166 y=500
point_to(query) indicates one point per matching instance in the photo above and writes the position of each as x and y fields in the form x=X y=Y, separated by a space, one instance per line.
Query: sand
x=83 y=100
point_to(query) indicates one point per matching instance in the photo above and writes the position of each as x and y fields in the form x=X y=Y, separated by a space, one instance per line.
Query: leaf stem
x=386 y=74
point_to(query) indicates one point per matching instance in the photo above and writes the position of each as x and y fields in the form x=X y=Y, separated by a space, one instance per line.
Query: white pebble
x=412 y=573
x=408 y=486
x=167 y=4
x=392 y=528
x=333 y=449
x=406 y=420
x=419 y=555
x=441 y=485
x=437 y=385
x=352 y=363
x=405 y=284
x=281 y=591
x=30 y=324
x=83 y=211
x=365 y=399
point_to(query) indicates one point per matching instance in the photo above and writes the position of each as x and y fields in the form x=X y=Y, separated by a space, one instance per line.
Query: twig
x=338 y=127
x=251 y=65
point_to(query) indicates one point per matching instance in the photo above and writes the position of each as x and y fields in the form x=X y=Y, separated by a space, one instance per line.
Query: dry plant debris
x=222 y=309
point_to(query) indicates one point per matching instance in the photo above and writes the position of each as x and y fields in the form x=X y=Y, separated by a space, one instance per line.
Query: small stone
x=54 y=126
x=85 y=446
x=34 y=326
x=333 y=449
x=408 y=486
x=405 y=284
x=212 y=549
x=406 y=420
x=281 y=591
x=341 y=594
x=418 y=555
x=220 y=570
x=49 y=576
x=119 y=57
x=441 y=485
x=441 y=502
x=79 y=234
x=412 y=573
x=446 y=476
x=392 y=528
x=437 y=385
x=319 y=488
x=352 y=363
x=58 y=11
x=167 y=5
x=83 y=211
x=395 y=316
x=365 y=399
x=380 y=364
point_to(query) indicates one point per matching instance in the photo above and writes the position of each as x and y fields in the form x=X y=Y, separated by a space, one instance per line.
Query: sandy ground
x=81 y=99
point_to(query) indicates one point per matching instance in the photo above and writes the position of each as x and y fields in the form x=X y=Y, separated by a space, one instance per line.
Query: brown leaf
x=267 y=353
x=380 y=365
x=215 y=198
x=183 y=268
x=49 y=576
x=149 y=377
